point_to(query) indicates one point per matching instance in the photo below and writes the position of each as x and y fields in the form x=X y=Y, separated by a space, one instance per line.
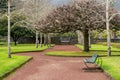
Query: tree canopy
x=18 y=27
x=84 y=15
x=78 y=16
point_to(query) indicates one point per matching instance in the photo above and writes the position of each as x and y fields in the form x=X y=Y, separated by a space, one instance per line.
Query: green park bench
x=92 y=60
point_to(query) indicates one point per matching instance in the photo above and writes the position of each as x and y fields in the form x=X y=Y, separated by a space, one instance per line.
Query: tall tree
x=84 y=16
x=36 y=10
x=9 y=46
x=108 y=19
x=18 y=32
x=41 y=40
x=5 y=6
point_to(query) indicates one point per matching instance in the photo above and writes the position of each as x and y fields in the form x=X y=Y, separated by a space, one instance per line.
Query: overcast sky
x=117 y=4
x=60 y=2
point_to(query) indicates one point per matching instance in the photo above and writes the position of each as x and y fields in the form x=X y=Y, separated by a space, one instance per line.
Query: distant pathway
x=63 y=48
x=44 y=67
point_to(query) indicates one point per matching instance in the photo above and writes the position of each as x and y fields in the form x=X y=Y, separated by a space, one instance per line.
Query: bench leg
x=86 y=64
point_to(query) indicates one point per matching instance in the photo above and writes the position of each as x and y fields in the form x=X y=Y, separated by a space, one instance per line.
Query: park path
x=44 y=67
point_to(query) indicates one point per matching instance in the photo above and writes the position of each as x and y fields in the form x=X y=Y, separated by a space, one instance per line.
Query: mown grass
x=79 y=54
x=7 y=64
x=117 y=45
x=21 y=48
x=74 y=53
x=100 y=47
x=95 y=49
x=112 y=66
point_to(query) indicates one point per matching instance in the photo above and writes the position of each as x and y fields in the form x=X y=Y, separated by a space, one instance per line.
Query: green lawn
x=112 y=66
x=117 y=45
x=7 y=65
x=99 y=47
x=74 y=53
x=79 y=54
x=95 y=48
x=21 y=48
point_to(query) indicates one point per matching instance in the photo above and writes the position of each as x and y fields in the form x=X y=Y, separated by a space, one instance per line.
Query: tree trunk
x=37 y=39
x=9 y=47
x=41 y=40
x=45 y=39
x=15 y=43
x=108 y=28
x=86 y=40
x=114 y=35
x=89 y=39
x=80 y=37
x=49 y=40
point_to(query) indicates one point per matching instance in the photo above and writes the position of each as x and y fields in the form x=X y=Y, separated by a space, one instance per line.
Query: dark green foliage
x=3 y=26
x=17 y=32
x=18 y=27
x=3 y=5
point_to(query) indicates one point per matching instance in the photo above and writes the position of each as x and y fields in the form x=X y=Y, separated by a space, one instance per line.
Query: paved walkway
x=55 y=68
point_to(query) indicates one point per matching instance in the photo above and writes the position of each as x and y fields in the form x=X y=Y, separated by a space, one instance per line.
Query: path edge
x=106 y=73
x=11 y=71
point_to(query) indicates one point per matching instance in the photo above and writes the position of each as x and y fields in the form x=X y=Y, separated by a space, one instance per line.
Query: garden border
x=11 y=71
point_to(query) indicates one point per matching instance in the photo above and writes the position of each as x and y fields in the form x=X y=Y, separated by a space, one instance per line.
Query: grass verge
x=22 y=48
x=79 y=54
x=8 y=65
x=99 y=47
x=111 y=66
x=73 y=53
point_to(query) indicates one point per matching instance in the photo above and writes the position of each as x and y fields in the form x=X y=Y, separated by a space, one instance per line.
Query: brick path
x=44 y=67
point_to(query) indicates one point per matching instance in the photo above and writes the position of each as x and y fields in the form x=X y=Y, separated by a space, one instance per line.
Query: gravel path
x=44 y=67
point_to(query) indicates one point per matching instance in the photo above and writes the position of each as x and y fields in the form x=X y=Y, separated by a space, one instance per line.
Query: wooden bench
x=65 y=40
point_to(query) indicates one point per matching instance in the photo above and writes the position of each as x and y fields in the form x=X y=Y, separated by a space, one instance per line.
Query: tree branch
x=114 y=16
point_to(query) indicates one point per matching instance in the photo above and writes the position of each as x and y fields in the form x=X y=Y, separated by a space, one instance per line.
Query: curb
x=27 y=51
x=32 y=51
x=107 y=74
x=70 y=56
x=11 y=71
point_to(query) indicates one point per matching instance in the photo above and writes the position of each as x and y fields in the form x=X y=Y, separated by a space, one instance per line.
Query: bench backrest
x=94 y=58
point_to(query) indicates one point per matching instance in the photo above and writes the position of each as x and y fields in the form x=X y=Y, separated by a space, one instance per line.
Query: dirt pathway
x=44 y=67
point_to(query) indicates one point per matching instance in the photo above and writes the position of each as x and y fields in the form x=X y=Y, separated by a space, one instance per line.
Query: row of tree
x=85 y=16
x=21 y=17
